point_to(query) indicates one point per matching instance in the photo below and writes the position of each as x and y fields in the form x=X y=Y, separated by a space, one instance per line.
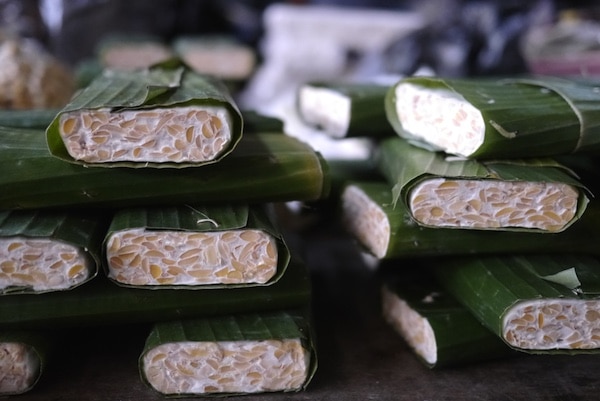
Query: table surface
x=360 y=356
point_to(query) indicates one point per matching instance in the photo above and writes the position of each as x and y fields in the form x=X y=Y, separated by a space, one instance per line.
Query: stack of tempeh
x=148 y=200
x=483 y=216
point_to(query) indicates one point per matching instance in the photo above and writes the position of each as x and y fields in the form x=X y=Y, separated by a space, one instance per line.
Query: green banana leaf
x=265 y=167
x=103 y=303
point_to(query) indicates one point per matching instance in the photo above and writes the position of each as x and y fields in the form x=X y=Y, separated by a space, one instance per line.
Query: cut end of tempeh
x=326 y=109
x=207 y=367
x=413 y=327
x=440 y=117
x=146 y=257
x=19 y=367
x=42 y=264
x=553 y=324
x=494 y=204
x=364 y=219
x=190 y=134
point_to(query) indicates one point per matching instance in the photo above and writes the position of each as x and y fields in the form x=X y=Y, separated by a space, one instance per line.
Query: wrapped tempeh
x=536 y=303
x=49 y=250
x=23 y=356
x=226 y=355
x=497 y=118
x=103 y=303
x=344 y=110
x=387 y=231
x=194 y=246
x=439 y=330
x=518 y=194
x=132 y=52
x=265 y=167
x=221 y=56
x=163 y=116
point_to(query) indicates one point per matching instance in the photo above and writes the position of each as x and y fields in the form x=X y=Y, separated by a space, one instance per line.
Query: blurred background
x=453 y=37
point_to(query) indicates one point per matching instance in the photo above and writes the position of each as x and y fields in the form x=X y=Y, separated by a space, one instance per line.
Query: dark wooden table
x=360 y=357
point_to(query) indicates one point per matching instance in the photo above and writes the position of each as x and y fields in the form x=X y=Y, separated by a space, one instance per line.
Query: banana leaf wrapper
x=230 y=355
x=538 y=195
x=194 y=247
x=35 y=118
x=163 y=116
x=536 y=303
x=265 y=167
x=49 y=250
x=440 y=331
x=103 y=303
x=344 y=110
x=496 y=118
x=388 y=231
x=25 y=356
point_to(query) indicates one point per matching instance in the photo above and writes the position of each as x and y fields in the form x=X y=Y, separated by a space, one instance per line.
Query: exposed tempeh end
x=146 y=257
x=493 y=204
x=365 y=220
x=440 y=117
x=325 y=108
x=42 y=264
x=553 y=324
x=227 y=366
x=183 y=134
x=19 y=367
x=413 y=328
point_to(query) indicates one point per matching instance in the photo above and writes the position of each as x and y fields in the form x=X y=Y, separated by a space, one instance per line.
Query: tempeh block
x=191 y=246
x=238 y=354
x=535 y=303
x=42 y=251
x=163 y=116
x=529 y=194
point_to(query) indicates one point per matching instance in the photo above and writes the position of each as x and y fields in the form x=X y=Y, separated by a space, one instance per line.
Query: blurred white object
x=308 y=42
x=305 y=43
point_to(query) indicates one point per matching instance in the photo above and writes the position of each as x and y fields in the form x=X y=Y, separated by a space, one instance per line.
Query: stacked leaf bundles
x=479 y=186
x=184 y=197
x=41 y=252
x=430 y=204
